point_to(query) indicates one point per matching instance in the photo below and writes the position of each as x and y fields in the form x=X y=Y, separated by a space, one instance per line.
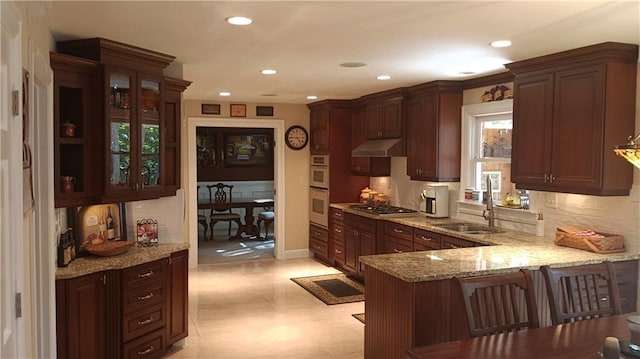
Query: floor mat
x=332 y=288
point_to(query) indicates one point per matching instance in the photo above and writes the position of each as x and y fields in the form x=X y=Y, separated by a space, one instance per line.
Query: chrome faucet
x=488 y=213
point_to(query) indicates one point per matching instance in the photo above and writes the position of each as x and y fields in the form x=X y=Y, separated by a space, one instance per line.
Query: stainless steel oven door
x=319 y=206
x=319 y=176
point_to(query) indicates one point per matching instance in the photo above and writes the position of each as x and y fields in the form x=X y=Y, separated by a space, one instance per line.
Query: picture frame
x=496 y=180
x=248 y=149
x=238 y=110
x=147 y=233
x=210 y=109
x=264 y=110
x=90 y=224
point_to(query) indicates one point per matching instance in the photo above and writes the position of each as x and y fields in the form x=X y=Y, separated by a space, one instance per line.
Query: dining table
x=249 y=226
x=581 y=339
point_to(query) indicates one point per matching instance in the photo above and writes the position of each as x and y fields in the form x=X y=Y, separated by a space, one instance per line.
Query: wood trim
x=489 y=80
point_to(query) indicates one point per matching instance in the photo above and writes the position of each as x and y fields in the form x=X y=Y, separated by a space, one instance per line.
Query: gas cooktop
x=384 y=210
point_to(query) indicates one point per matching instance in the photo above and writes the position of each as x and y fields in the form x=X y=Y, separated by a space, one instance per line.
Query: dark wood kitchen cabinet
x=360 y=239
x=398 y=238
x=76 y=138
x=425 y=240
x=384 y=114
x=141 y=139
x=570 y=110
x=433 y=131
x=336 y=237
x=319 y=242
x=134 y=312
x=365 y=166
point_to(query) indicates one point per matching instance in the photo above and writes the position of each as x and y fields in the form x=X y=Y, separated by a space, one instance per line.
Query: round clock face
x=296 y=137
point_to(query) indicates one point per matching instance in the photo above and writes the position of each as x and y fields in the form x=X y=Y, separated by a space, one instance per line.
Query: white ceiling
x=413 y=41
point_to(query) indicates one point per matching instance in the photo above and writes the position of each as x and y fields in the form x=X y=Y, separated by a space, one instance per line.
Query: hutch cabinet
x=141 y=112
x=384 y=114
x=434 y=130
x=570 y=110
x=76 y=135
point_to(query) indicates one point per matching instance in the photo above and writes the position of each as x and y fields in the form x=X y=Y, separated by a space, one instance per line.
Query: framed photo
x=210 y=109
x=99 y=223
x=238 y=110
x=147 y=232
x=264 y=110
x=496 y=180
x=248 y=149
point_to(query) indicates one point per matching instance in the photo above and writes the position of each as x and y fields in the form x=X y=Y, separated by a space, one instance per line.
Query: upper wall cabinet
x=141 y=120
x=76 y=130
x=384 y=116
x=570 y=110
x=365 y=166
x=433 y=131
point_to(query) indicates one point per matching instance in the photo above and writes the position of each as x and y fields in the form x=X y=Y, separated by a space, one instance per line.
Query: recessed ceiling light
x=239 y=20
x=268 y=72
x=312 y=97
x=269 y=94
x=466 y=73
x=383 y=77
x=353 y=64
x=501 y=43
x=225 y=93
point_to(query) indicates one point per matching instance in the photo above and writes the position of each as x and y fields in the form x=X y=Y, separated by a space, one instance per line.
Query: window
x=486 y=147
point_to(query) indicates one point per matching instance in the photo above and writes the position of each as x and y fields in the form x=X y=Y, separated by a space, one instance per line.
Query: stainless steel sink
x=469 y=228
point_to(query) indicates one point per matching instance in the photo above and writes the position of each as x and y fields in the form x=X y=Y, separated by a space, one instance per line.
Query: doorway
x=191 y=187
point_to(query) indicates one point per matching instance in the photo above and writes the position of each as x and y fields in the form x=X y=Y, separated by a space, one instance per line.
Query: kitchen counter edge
x=135 y=256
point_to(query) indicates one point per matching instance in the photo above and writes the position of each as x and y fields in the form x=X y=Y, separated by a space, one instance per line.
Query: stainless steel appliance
x=385 y=210
x=436 y=201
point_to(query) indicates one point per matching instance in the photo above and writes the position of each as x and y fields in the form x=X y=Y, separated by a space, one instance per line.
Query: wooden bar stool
x=267 y=217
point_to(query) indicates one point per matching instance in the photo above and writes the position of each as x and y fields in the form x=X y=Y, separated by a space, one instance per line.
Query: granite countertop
x=136 y=255
x=505 y=252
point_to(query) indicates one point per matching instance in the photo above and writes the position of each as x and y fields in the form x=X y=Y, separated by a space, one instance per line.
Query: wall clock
x=296 y=137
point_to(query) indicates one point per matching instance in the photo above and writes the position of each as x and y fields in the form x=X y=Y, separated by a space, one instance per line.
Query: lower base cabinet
x=135 y=312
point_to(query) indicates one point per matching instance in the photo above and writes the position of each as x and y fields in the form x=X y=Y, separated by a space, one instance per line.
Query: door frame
x=190 y=189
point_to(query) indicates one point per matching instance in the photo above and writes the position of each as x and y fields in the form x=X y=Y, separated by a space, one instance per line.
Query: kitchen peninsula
x=412 y=301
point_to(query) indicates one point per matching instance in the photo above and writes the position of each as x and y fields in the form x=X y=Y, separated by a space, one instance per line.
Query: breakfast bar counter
x=411 y=299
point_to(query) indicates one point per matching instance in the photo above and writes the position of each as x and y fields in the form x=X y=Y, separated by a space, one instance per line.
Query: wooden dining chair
x=202 y=218
x=582 y=292
x=223 y=194
x=499 y=303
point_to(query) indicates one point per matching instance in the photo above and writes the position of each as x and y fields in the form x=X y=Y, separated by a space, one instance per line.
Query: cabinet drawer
x=399 y=231
x=425 y=240
x=144 y=274
x=318 y=234
x=337 y=253
x=393 y=245
x=151 y=345
x=319 y=247
x=144 y=296
x=143 y=321
x=337 y=233
x=336 y=215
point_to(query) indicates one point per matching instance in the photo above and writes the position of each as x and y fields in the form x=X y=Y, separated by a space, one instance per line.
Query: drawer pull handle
x=397 y=250
x=145 y=275
x=398 y=230
x=337 y=251
x=338 y=230
x=337 y=214
x=146 y=351
x=145 y=321
x=426 y=239
x=145 y=297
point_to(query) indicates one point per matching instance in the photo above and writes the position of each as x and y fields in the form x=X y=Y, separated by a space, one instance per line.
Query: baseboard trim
x=296 y=254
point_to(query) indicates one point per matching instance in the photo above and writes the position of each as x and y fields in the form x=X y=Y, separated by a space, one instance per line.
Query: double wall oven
x=319 y=190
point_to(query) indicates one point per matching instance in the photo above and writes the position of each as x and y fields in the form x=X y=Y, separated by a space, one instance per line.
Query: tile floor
x=251 y=309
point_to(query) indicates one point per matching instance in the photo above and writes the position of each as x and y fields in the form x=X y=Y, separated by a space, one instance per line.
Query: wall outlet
x=551 y=200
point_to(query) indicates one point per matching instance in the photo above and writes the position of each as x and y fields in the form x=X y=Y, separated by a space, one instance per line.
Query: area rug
x=359 y=316
x=332 y=288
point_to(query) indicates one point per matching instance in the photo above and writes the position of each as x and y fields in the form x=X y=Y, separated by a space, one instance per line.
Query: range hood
x=388 y=147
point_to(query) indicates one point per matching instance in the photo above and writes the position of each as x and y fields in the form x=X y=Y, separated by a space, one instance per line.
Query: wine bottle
x=111 y=226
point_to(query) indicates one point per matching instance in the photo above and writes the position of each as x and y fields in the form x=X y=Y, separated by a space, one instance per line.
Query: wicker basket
x=610 y=243
x=106 y=249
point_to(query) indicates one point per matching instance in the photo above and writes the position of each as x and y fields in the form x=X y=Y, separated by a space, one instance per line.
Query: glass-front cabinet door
x=134 y=134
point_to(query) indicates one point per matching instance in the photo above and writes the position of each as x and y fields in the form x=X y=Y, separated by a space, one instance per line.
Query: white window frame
x=471 y=146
